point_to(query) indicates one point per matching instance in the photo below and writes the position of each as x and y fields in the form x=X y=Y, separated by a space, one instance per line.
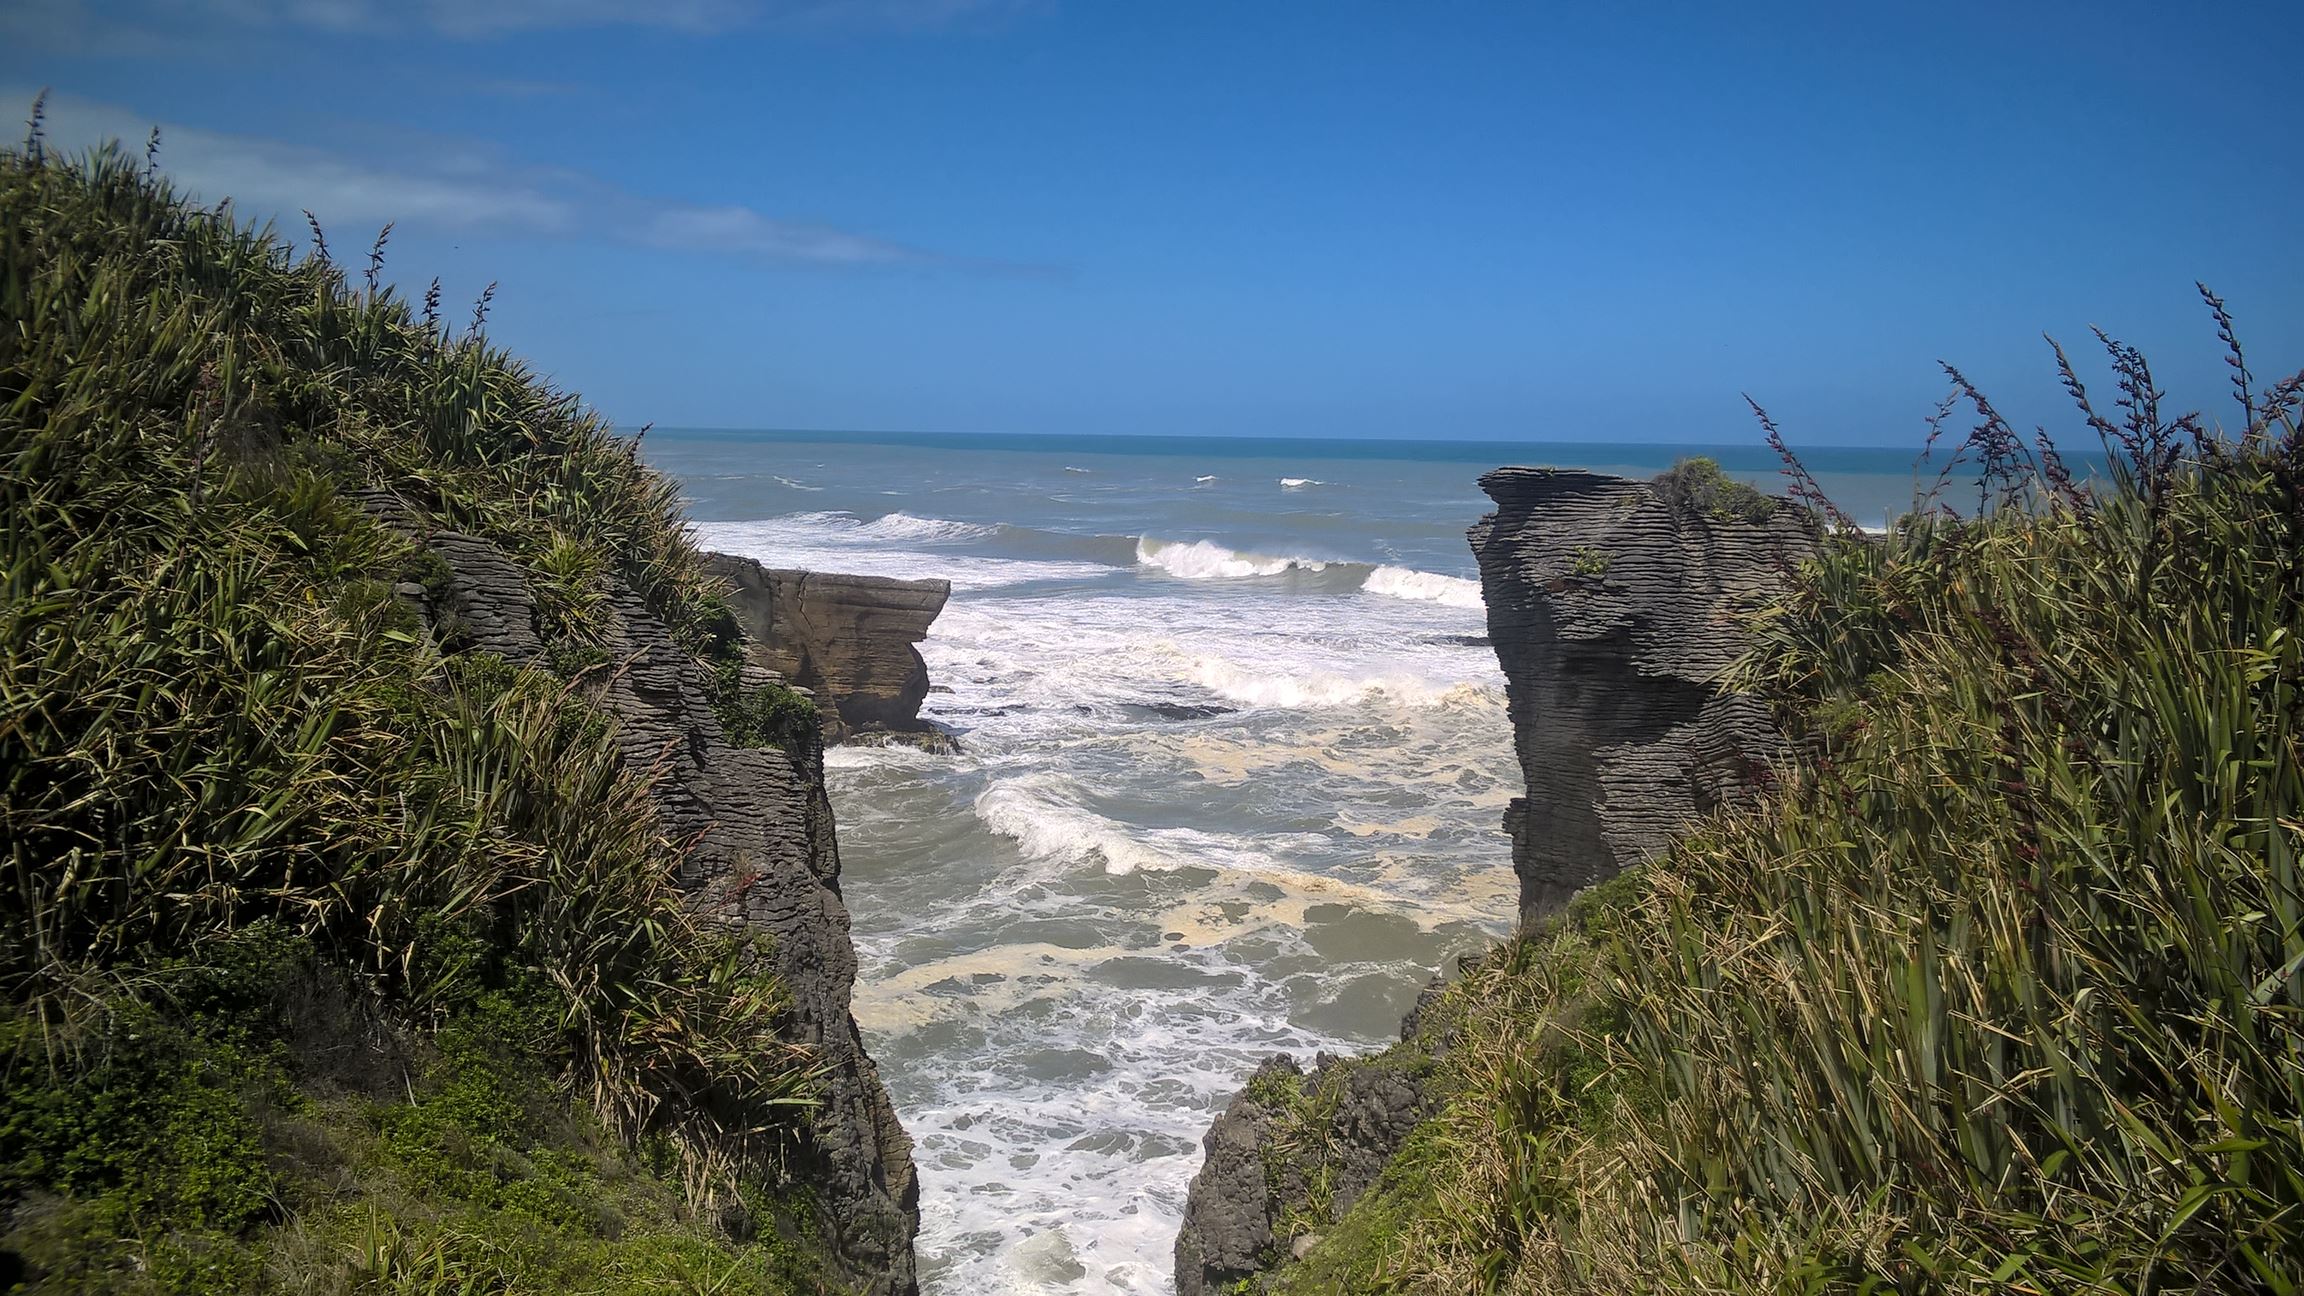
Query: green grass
x=258 y=819
x=1697 y=487
x=1999 y=987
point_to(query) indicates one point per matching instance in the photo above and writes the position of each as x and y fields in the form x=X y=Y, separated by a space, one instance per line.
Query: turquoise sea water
x=1235 y=757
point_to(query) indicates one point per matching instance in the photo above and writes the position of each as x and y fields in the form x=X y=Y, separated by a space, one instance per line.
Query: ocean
x=1235 y=757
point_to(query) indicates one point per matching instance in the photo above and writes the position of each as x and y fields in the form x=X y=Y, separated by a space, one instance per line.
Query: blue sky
x=1458 y=220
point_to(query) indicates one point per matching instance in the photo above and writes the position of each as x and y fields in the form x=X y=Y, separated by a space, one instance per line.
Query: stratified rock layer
x=1614 y=614
x=764 y=856
x=848 y=639
x=1251 y=1206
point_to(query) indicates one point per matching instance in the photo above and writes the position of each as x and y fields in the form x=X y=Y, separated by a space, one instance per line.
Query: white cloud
x=741 y=229
x=274 y=176
x=449 y=185
x=72 y=20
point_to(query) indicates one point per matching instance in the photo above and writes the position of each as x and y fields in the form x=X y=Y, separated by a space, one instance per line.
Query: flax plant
x=1999 y=988
x=215 y=714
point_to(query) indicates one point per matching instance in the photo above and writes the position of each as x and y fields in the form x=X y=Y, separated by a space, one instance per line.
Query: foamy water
x=1236 y=755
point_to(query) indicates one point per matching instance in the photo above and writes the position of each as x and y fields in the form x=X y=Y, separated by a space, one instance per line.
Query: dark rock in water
x=1182 y=710
x=850 y=640
x=1229 y=1211
x=764 y=858
x=1613 y=613
x=1462 y=641
x=1284 y=1132
x=935 y=739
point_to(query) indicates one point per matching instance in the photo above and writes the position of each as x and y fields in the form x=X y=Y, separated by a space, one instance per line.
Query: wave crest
x=1207 y=560
x=1042 y=815
x=1427 y=587
x=904 y=526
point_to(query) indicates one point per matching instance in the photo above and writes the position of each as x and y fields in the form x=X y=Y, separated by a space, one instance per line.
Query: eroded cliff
x=1615 y=606
x=763 y=856
x=850 y=640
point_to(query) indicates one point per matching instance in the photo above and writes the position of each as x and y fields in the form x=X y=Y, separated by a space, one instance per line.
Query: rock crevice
x=763 y=855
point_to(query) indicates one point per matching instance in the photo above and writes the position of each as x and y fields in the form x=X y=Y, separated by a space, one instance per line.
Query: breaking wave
x=1207 y=560
x=904 y=526
x=1428 y=587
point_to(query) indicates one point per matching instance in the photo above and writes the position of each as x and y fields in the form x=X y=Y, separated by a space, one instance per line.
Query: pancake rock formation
x=764 y=857
x=850 y=640
x=1615 y=606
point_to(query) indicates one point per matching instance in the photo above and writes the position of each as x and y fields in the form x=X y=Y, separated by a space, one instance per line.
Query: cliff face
x=848 y=639
x=1614 y=609
x=1288 y=1157
x=764 y=857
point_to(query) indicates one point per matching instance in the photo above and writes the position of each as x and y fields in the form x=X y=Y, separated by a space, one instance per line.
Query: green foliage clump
x=218 y=720
x=1998 y=987
x=770 y=714
x=253 y=1133
x=1300 y=1152
x=1697 y=488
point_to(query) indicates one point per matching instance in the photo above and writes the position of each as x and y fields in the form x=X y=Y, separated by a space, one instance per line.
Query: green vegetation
x=1999 y=987
x=1302 y=1160
x=335 y=956
x=1588 y=560
x=1697 y=488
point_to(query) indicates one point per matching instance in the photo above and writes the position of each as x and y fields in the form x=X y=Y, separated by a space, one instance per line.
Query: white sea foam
x=1207 y=560
x=1429 y=587
x=1013 y=904
x=1042 y=814
x=833 y=519
x=1299 y=483
x=925 y=530
x=840 y=542
x=1209 y=478
x=1274 y=684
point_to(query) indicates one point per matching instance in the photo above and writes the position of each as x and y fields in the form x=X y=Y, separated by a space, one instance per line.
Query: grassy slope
x=2000 y=989
x=335 y=957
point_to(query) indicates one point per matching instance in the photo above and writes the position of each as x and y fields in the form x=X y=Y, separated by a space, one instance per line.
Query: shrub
x=1695 y=487
x=221 y=732
x=1998 y=989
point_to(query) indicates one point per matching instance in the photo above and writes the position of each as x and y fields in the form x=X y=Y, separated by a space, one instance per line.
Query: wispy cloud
x=743 y=230
x=72 y=20
x=456 y=186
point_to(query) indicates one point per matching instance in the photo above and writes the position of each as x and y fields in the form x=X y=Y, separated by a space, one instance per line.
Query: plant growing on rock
x=1696 y=487
x=1997 y=988
x=258 y=822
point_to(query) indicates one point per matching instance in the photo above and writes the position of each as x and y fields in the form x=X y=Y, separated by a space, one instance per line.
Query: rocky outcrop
x=847 y=639
x=764 y=856
x=1614 y=608
x=1288 y=1158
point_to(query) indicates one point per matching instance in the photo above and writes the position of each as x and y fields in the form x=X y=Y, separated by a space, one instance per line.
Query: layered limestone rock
x=850 y=640
x=764 y=856
x=1615 y=608
x=1287 y=1158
